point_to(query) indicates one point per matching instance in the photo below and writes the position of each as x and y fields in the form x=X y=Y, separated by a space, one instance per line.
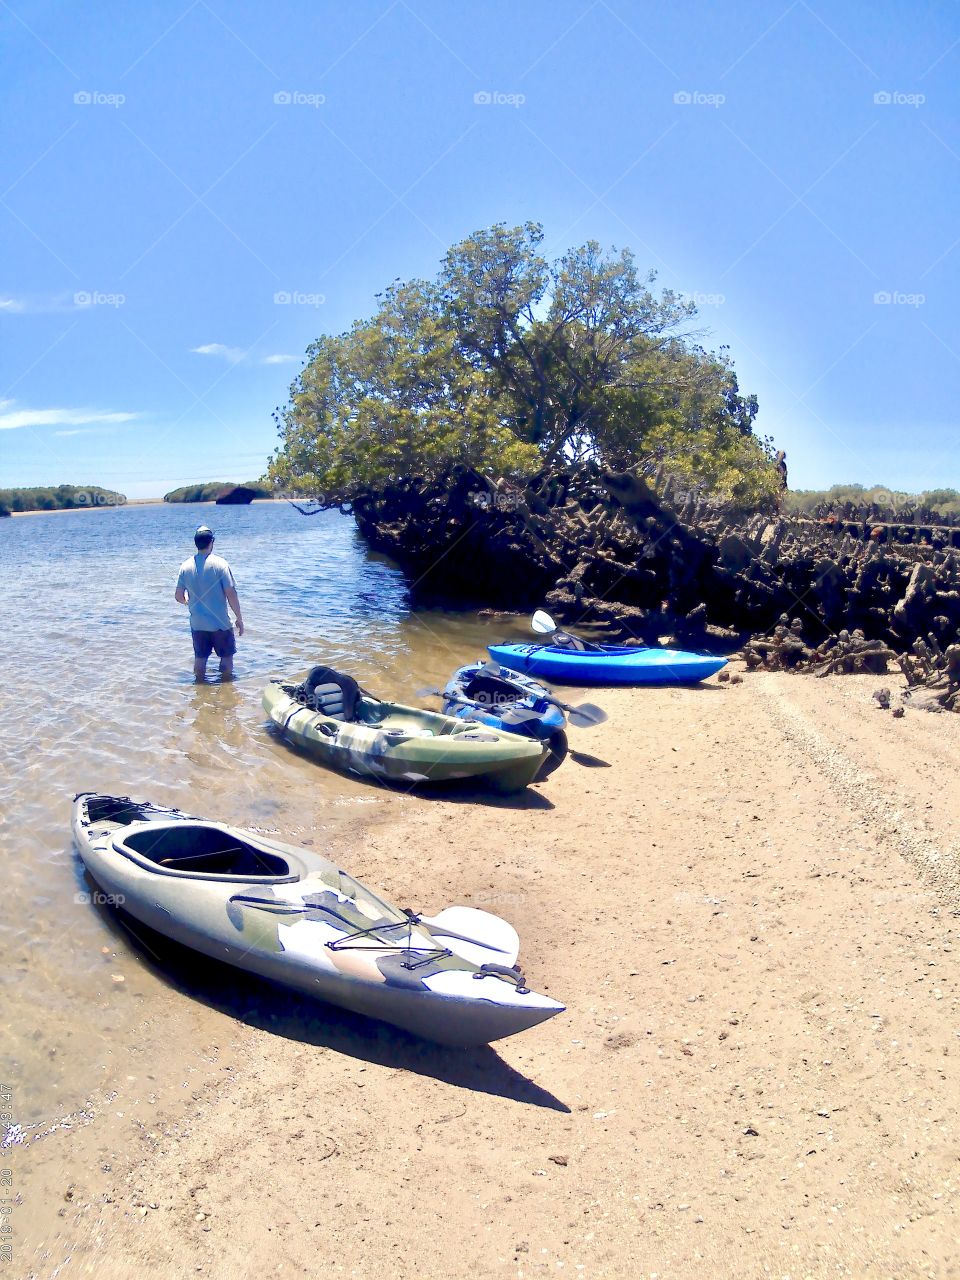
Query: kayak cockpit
x=193 y=848
x=491 y=691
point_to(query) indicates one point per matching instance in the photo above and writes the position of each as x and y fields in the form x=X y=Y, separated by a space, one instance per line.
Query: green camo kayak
x=355 y=732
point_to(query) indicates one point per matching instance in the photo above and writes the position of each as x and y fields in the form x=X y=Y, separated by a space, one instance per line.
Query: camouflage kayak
x=355 y=732
x=289 y=915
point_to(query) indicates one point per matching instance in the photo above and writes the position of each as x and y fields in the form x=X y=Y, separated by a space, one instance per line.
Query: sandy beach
x=747 y=896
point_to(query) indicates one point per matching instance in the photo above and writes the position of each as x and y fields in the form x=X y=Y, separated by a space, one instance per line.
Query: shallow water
x=96 y=692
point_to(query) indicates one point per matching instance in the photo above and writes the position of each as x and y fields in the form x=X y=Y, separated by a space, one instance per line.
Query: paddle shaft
x=586 y=716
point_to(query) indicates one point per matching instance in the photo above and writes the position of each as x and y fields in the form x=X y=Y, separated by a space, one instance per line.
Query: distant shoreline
x=96 y=506
x=136 y=502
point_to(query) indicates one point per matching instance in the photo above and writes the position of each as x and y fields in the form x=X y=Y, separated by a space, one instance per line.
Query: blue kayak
x=506 y=700
x=609 y=664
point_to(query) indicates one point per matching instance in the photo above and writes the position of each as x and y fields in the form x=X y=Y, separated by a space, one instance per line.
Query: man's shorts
x=205 y=642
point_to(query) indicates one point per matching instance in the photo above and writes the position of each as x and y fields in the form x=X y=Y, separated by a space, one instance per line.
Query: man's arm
x=180 y=595
x=233 y=600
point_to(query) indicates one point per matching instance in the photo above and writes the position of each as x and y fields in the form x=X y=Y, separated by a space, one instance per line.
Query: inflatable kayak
x=506 y=700
x=289 y=915
x=607 y=664
x=329 y=716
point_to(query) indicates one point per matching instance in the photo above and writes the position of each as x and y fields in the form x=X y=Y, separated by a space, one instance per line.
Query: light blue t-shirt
x=205 y=579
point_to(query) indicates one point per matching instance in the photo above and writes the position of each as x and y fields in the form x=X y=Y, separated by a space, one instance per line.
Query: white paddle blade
x=542 y=623
x=478 y=936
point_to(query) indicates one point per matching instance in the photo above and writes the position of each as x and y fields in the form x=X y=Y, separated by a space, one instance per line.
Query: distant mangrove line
x=63 y=497
x=222 y=491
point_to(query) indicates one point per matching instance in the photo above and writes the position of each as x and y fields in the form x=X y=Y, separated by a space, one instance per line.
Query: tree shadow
x=258 y=1002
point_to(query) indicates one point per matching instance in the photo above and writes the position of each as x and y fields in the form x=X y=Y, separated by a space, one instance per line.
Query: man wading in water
x=205 y=584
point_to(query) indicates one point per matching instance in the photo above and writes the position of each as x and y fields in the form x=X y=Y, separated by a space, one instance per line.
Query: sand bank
x=746 y=896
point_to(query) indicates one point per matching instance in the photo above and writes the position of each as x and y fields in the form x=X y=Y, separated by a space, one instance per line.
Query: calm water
x=96 y=693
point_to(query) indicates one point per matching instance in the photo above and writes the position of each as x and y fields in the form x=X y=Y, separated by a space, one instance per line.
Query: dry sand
x=747 y=899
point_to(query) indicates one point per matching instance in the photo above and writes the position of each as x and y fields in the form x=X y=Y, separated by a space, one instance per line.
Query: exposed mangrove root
x=933 y=675
x=652 y=562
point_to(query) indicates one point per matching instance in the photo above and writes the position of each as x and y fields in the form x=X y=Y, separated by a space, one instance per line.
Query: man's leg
x=202 y=644
x=226 y=646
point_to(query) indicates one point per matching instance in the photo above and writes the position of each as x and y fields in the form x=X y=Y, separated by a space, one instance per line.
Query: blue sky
x=192 y=191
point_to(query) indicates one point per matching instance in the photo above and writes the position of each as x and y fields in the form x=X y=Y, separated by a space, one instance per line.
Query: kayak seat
x=331 y=693
x=490 y=690
x=563 y=640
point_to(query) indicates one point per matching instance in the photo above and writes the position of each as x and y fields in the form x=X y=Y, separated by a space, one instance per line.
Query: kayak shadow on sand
x=477 y=793
x=259 y=1003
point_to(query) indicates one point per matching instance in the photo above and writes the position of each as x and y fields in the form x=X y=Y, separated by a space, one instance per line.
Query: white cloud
x=233 y=354
x=55 y=417
x=46 y=304
x=279 y=358
x=86 y=431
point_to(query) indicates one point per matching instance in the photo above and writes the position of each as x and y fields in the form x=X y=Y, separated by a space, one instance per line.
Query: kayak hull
x=406 y=745
x=298 y=921
x=627 y=665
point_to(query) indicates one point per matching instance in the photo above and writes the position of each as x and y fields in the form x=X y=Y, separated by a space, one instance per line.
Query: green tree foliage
x=507 y=363
x=64 y=497
x=942 y=502
x=211 y=492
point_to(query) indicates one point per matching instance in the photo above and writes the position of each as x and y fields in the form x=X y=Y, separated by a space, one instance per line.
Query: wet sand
x=745 y=894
